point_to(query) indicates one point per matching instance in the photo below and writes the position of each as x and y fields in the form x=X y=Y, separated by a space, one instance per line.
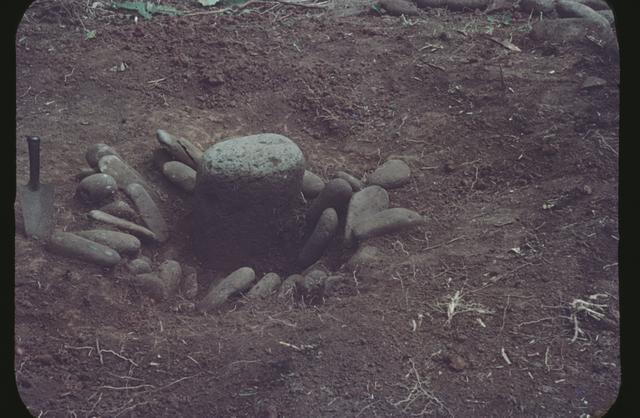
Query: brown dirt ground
x=491 y=136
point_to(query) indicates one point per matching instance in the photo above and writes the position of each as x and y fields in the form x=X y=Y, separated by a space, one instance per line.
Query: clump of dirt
x=504 y=303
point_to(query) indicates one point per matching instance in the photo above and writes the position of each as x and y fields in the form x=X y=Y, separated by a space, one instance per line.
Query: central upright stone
x=247 y=195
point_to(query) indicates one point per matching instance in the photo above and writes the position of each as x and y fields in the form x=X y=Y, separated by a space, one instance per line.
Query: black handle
x=34 y=162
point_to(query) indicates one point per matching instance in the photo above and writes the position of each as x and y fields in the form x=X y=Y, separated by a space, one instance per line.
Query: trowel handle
x=34 y=162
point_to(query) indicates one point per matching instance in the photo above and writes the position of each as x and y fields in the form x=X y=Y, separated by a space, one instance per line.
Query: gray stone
x=391 y=174
x=121 y=242
x=135 y=229
x=180 y=174
x=399 y=7
x=574 y=30
x=121 y=172
x=365 y=256
x=74 y=246
x=319 y=240
x=289 y=286
x=121 y=209
x=386 y=222
x=170 y=272
x=247 y=196
x=264 y=167
x=537 y=6
x=356 y=184
x=148 y=210
x=569 y=8
x=364 y=203
x=312 y=184
x=453 y=4
x=151 y=285
x=96 y=152
x=189 y=285
x=335 y=195
x=181 y=149
x=237 y=282
x=139 y=266
x=333 y=283
x=97 y=188
x=592 y=82
x=265 y=286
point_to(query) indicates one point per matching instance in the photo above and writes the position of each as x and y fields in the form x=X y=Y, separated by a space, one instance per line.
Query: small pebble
x=121 y=242
x=593 y=82
x=265 y=286
x=135 y=229
x=97 y=188
x=365 y=256
x=333 y=283
x=366 y=202
x=399 y=7
x=180 y=174
x=182 y=149
x=148 y=210
x=121 y=172
x=386 y=222
x=84 y=172
x=237 y=282
x=74 y=246
x=356 y=184
x=96 y=152
x=312 y=185
x=121 y=209
x=391 y=174
x=151 y=284
x=311 y=289
x=319 y=239
x=170 y=272
x=139 y=266
x=289 y=286
x=335 y=195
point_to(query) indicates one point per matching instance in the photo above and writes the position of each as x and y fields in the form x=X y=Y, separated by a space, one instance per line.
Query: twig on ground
x=456 y=305
x=444 y=243
x=594 y=310
x=504 y=312
x=419 y=390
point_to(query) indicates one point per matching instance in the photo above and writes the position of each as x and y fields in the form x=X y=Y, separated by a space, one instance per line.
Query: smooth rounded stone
x=237 y=282
x=312 y=184
x=189 y=284
x=148 y=210
x=139 y=266
x=564 y=30
x=537 y=6
x=570 y=8
x=170 y=272
x=426 y=4
x=356 y=184
x=97 y=188
x=608 y=14
x=319 y=240
x=75 y=246
x=365 y=256
x=182 y=149
x=311 y=288
x=96 y=152
x=399 y=7
x=121 y=242
x=84 y=172
x=386 y=222
x=289 y=285
x=335 y=194
x=151 y=285
x=263 y=167
x=391 y=174
x=121 y=172
x=265 y=286
x=180 y=174
x=121 y=209
x=366 y=202
x=135 y=229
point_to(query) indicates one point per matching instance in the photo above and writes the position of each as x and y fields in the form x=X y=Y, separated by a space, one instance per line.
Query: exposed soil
x=514 y=165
